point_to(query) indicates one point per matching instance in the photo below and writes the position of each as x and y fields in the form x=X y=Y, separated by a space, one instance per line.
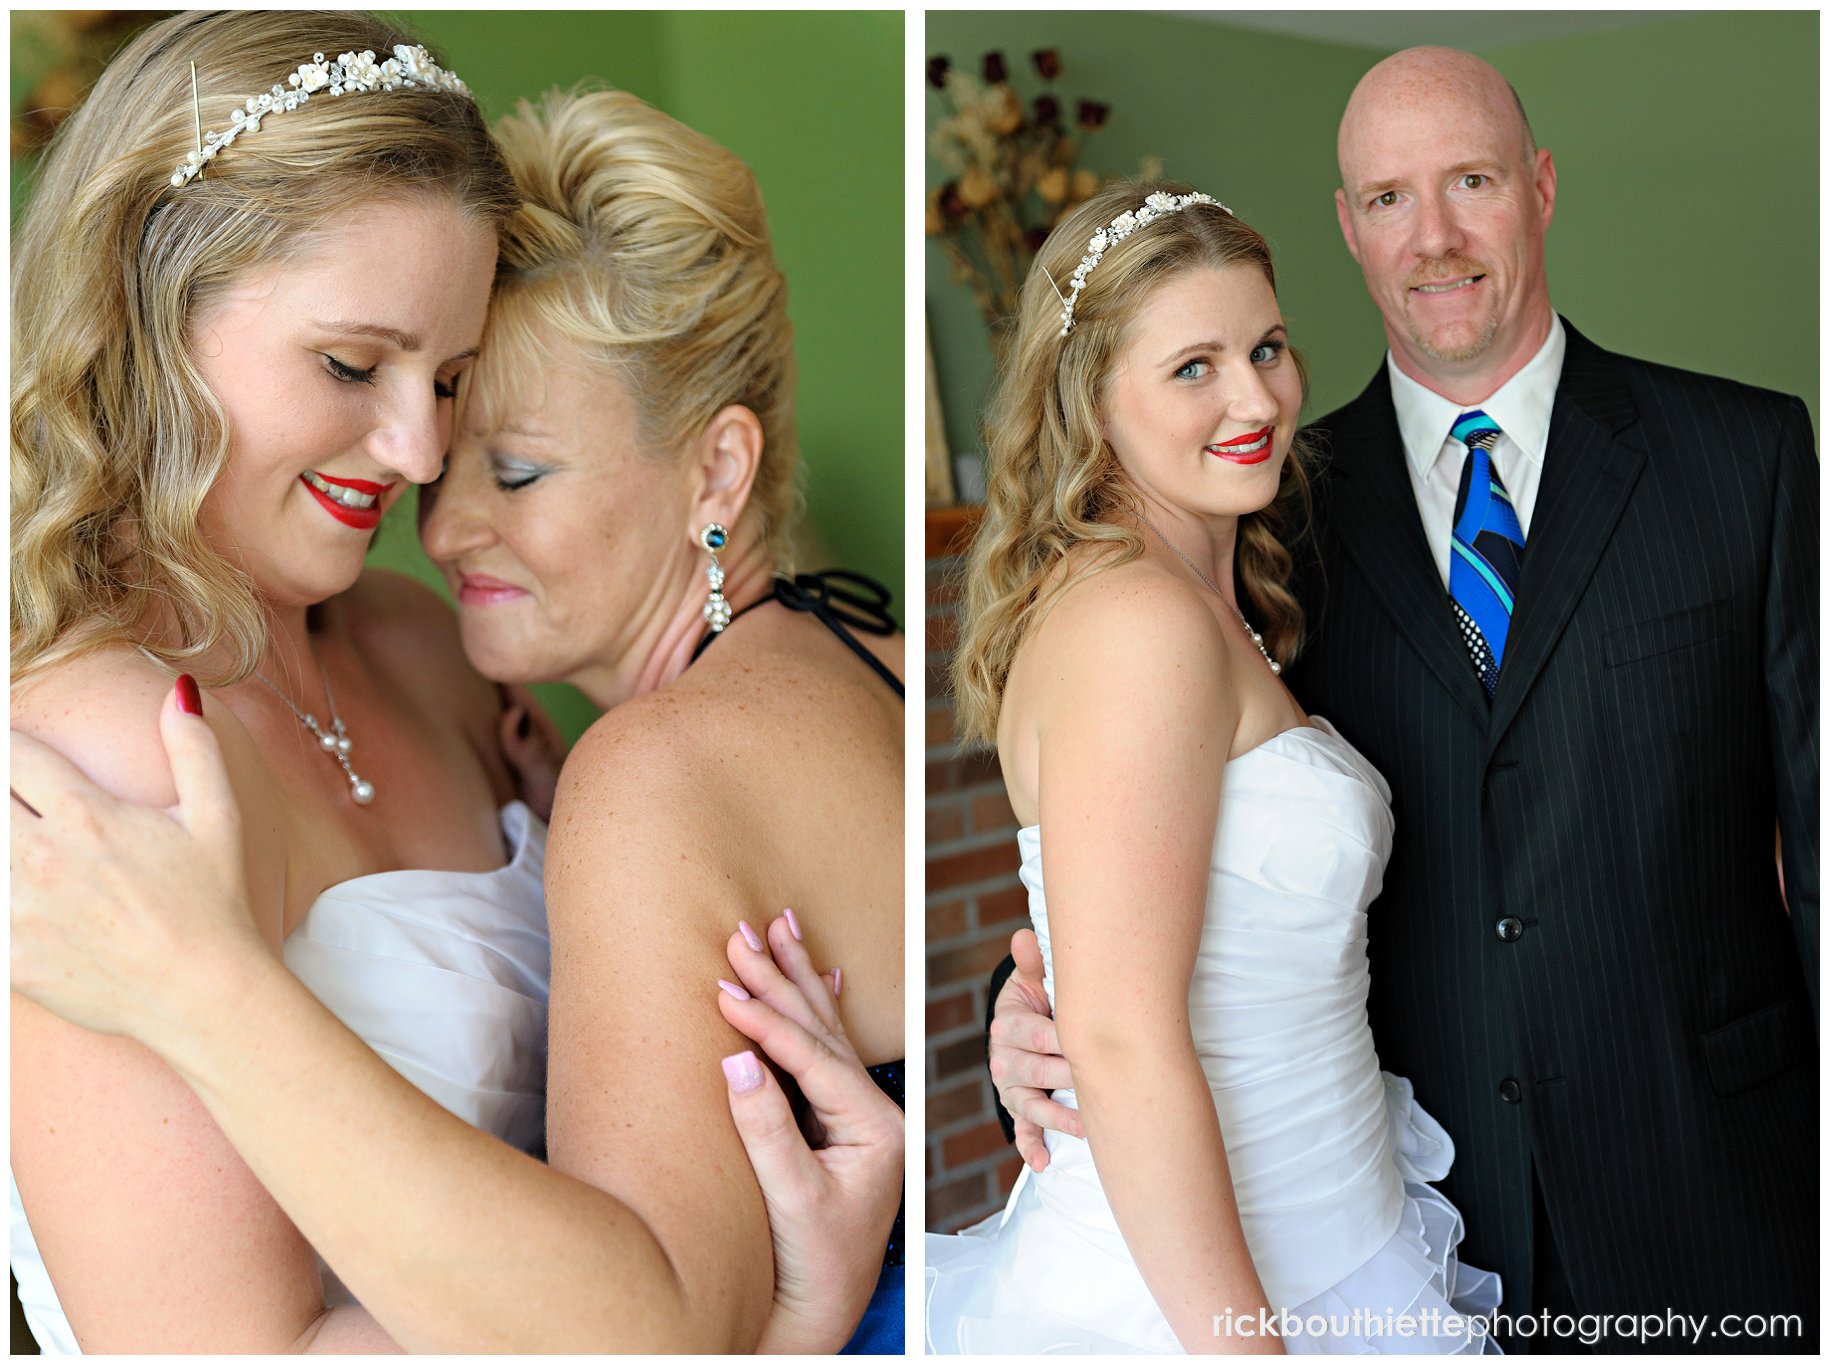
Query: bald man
x=1567 y=602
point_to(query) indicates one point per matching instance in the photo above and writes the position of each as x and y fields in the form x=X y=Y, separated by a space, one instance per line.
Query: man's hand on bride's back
x=1025 y=1054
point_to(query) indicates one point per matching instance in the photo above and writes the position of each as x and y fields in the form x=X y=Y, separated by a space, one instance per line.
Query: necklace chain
x=1214 y=588
x=335 y=741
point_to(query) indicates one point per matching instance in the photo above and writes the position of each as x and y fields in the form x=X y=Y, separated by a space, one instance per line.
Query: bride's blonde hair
x=1052 y=481
x=115 y=438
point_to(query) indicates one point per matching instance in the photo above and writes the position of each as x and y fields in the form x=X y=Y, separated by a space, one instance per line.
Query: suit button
x=1509 y=1090
x=1509 y=930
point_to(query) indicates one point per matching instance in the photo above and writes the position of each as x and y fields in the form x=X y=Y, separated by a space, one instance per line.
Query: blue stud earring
x=717 y=609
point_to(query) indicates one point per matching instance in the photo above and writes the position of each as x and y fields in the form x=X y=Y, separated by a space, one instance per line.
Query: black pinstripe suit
x=1647 y=1041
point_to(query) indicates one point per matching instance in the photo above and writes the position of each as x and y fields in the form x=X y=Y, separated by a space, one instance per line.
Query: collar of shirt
x=1522 y=407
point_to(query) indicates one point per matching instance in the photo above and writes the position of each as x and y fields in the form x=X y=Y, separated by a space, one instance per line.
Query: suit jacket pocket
x=1757 y=1047
x=1665 y=634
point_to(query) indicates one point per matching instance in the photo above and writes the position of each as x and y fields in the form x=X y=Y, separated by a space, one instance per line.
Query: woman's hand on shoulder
x=111 y=892
x=160 y=1236
x=532 y=746
x=830 y=1204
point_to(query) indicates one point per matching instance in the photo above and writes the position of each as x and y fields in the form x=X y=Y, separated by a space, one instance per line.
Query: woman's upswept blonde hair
x=1052 y=481
x=116 y=439
x=645 y=245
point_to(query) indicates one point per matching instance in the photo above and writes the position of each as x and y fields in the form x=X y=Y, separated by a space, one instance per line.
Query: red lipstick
x=356 y=518
x=1252 y=448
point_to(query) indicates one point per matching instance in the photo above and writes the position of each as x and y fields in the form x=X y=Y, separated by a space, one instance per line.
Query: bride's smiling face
x=336 y=372
x=1203 y=397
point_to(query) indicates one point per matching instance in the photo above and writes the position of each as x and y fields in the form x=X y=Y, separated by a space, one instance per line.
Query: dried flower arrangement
x=1014 y=170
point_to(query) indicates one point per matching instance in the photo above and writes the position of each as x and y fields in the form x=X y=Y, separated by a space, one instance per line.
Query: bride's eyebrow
x=1195 y=347
x=406 y=341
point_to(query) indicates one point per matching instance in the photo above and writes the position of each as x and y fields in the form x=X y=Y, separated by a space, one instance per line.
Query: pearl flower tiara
x=352 y=73
x=1159 y=205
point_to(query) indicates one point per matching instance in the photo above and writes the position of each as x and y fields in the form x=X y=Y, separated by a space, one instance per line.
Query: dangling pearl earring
x=717 y=609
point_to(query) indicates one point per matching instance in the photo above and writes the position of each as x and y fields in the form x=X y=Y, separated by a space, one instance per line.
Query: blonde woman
x=1207 y=849
x=224 y=379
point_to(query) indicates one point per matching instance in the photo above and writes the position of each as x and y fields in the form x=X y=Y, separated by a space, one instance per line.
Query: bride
x=1208 y=850
x=227 y=366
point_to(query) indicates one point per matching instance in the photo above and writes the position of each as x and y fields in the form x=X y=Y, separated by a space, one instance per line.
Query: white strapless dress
x=444 y=974
x=1329 y=1156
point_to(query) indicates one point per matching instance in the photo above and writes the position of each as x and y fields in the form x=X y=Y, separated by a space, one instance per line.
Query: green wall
x=1686 y=149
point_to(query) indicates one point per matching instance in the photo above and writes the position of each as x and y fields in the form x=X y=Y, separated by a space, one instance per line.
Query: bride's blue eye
x=445 y=390
x=1193 y=369
x=1267 y=351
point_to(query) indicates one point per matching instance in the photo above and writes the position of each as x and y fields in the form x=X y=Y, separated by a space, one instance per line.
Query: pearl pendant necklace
x=1212 y=587
x=335 y=741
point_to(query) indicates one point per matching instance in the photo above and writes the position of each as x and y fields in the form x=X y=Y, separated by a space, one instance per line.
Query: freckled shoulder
x=101 y=711
x=712 y=754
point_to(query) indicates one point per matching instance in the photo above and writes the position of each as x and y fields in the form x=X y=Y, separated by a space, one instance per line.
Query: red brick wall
x=974 y=902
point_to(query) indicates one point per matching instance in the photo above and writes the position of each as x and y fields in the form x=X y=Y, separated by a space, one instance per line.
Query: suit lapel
x=1374 y=512
x=1590 y=468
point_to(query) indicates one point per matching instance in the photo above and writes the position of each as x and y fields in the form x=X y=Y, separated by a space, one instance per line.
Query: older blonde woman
x=232 y=375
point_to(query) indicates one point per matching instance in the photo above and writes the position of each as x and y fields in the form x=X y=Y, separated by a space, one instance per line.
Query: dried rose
x=951 y=207
x=1086 y=184
x=934 y=223
x=994 y=68
x=1048 y=111
x=1034 y=238
x=1053 y=186
x=938 y=67
x=1093 y=115
x=976 y=188
x=1009 y=117
x=1048 y=63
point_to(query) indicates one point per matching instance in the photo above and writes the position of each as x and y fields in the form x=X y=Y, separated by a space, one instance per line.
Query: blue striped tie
x=1487 y=546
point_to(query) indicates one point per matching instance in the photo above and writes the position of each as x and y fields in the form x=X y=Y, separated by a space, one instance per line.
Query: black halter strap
x=841 y=601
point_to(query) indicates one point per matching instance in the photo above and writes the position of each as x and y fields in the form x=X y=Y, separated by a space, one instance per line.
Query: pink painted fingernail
x=794 y=925
x=749 y=936
x=836 y=974
x=742 y=1072
x=732 y=989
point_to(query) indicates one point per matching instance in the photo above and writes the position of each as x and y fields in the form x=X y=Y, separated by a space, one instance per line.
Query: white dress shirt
x=1522 y=408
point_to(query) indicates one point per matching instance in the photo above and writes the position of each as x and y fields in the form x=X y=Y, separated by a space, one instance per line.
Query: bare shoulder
x=101 y=711
x=411 y=633
x=398 y=614
x=640 y=770
x=1128 y=626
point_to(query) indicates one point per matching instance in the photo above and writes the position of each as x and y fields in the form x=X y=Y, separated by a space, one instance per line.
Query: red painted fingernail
x=742 y=1072
x=733 y=990
x=189 y=701
x=794 y=925
x=749 y=936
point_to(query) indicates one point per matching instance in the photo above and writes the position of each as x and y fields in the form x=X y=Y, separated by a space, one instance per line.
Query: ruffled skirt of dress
x=1412 y=1296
